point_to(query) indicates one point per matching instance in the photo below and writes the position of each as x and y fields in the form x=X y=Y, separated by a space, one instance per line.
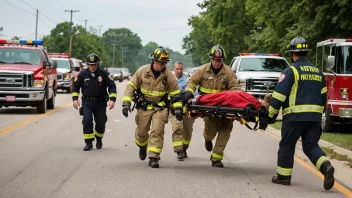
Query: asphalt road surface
x=42 y=156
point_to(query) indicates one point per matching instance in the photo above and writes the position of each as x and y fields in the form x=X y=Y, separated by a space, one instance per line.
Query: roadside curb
x=323 y=143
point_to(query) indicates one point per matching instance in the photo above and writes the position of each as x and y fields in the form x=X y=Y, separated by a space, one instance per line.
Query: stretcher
x=236 y=105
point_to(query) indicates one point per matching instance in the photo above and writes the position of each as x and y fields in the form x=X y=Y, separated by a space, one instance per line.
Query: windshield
x=113 y=70
x=19 y=56
x=344 y=60
x=63 y=64
x=263 y=64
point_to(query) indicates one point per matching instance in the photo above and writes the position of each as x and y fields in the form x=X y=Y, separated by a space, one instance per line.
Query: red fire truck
x=335 y=57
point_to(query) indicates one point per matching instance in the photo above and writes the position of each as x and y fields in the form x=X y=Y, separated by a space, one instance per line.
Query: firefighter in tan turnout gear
x=214 y=77
x=150 y=88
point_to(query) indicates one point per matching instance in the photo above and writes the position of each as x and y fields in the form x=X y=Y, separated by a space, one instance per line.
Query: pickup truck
x=27 y=78
x=257 y=73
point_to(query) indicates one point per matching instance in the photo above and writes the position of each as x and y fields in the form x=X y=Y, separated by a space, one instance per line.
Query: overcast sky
x=161 y=21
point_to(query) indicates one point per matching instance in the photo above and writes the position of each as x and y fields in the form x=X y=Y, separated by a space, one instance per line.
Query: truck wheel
x=51 y=102
x=69 y=90
x=329 y=125
x=41 y=107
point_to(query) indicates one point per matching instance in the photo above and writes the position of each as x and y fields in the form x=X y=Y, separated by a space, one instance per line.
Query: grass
x=339 y=139
x=332 y=154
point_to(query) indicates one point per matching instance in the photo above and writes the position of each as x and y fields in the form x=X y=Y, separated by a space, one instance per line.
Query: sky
x=160 y=21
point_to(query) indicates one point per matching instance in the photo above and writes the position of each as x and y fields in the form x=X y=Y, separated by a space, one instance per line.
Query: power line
x=16 y=7
x=48 y=18
x=28 y=4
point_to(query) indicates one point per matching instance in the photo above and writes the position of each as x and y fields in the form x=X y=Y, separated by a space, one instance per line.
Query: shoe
x=180 y=156
x=142 y=153
x=99 y=143
x=185 y=154
x=88 y=147
x=284 y=180
x=209 y=145
x=153 y=162
x=217 y=164
x=329 y=179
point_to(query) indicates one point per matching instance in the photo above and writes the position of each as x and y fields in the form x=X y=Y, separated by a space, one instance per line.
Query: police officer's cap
x=92 y=59
x=298 y=44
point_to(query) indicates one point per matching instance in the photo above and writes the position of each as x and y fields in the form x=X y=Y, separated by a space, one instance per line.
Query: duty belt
x=93 y=98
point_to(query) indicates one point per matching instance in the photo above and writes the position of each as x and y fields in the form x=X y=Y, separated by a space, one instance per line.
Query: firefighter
x=150 y=88
x=211 y=78
x=302 y=94
x=181 y=130
x=94 y=82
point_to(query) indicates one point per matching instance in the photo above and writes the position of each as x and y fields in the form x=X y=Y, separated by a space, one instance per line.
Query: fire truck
x=335 y=57
x=27 y=78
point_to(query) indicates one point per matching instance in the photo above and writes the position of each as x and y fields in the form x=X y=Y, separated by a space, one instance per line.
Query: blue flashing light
x=23 y=42
x=37 y=42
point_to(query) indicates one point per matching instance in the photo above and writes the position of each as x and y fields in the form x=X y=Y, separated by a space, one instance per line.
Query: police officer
x=181 y=130
x=211 y=78
x=152 y=83
x=302 y=94
x=94 y=81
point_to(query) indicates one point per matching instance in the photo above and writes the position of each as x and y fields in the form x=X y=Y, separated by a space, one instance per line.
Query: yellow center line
x=307 y=166
x=17 y=125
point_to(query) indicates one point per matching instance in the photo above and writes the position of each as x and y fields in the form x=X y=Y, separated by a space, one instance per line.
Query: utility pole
x=1 y=29
x=113 y=48
x=36 y=25
x=85 y=23
x=100 y=33
x=70 y=45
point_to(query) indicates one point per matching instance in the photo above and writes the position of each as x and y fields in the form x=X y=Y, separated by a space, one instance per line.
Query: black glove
x=178 y=114
x=126 y=109
x=272 y=120
x=186 y=96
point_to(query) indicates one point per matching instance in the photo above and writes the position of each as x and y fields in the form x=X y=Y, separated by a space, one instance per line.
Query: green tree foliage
x=127 y=44
x=265 y=26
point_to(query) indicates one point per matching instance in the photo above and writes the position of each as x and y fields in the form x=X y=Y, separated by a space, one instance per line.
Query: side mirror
x=48 y=65
x=53 y=64
x=77 y=69
x=330 y=63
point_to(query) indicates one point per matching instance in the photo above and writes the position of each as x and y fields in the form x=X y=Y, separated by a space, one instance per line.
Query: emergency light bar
x=340 y=40
x=257 y=54
x=21 y=42
x=59 y=55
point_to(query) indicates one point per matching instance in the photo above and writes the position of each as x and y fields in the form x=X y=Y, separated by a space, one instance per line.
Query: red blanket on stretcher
x=234 y=99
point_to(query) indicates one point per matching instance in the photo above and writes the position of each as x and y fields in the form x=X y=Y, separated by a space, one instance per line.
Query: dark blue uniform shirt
x=94 y=86
x=301 y=92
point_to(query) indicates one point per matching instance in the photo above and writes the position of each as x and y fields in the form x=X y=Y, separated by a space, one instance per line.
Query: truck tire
x=329 y=125
x=41 y=107
x=51 y=102
x=69 y=90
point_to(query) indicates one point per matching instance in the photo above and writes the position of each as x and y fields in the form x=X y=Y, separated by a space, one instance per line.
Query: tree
x=123 y=39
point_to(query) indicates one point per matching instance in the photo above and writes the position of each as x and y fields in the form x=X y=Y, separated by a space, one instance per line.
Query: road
x=42 y=156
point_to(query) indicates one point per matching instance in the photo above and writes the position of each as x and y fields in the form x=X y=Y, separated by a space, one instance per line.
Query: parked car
x=116 y=73
x=126 y=74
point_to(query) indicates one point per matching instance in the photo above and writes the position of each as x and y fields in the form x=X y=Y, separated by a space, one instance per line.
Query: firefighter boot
x=180 y=155
x=279 y=179
x=153 y=162
x=208 y=145
x=99 y=143
x=88 y=146
x=328 y=171
x=185 y=154
x=217 y=164
x=142 y=152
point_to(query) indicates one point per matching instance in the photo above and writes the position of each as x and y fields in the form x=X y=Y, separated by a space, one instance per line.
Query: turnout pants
x=98 y=110
x=153 y=120
x=181 y=132
x=290 y=133
x=222 y=128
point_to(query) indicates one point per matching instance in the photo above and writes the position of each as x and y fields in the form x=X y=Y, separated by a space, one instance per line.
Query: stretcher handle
x=222 y=109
